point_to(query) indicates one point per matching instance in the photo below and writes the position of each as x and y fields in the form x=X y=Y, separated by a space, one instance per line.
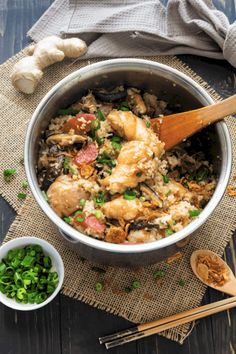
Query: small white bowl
x=57 y=265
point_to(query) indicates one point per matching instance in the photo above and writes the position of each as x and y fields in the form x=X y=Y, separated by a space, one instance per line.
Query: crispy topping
x=231 y=191
x=115 y=235
x=211 y=270
x=174 y=258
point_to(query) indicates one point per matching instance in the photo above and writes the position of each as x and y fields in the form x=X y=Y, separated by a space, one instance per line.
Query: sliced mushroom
x=65 y=139
x=151 y=103
x=89 y=103
x=136 y=101
x=154 y=106
x=107 y=96
x=150 y=193
x=142 y=225
x=52 y=172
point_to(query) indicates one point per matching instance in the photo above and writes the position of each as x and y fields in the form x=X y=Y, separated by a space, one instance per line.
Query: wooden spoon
x=174 y=128
x=229 y=287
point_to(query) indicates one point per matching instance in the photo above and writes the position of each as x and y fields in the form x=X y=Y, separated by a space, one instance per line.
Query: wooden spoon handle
x=172 y=129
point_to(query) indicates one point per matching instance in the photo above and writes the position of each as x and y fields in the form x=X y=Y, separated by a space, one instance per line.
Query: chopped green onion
x=67 y=219
x=139 y=174
x=159 y=274
x=181 y=282
x=124 y=106
x=82 y=202
x=108 y=171
x=40 y=298
x=165 y=179
x=21 y=292
x=193 y=213
x=8 y=173
x=105 y=159
x=100 y=198
x=95 y=124
x=80 y=218
x=45 y=195
x=47 y=262
x=129 y=195
x=24 y=184
x=101 y=115
x=116 y=138
x=28 y=261
x=68 y=111
x=168 y=193
x=136 y=284
x=98 y=214
x=98 y=287
x=66 y=165
x=115 y=142
x=148 y=124
x=202 y=174
x=98 y=269
x=168 y=232
x=21 y=195
x=78 y=212
x=3 y=268
x=99 y=140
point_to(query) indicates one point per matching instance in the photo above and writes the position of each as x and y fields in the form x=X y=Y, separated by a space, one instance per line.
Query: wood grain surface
x=67 y=326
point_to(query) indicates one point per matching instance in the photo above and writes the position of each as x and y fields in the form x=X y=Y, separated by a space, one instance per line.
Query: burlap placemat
x=155 y=299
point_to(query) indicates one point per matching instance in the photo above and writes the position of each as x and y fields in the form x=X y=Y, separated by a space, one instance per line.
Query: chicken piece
x=180 y=211
x=174 y=191
x=140 y=236
x=130 y=127
x=121 y=208
x=135 y=162
x=64 y=195
x=136 y=102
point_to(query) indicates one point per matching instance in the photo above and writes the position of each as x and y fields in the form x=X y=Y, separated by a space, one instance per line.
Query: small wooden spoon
x=230 y=285
x=174 y=128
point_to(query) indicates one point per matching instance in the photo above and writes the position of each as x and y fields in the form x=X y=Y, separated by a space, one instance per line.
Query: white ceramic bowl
x=57 y=265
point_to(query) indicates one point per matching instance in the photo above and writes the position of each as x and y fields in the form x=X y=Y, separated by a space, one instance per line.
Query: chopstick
x=149 y=328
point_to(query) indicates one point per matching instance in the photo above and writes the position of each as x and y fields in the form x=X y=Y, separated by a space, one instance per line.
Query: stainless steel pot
x=167 y=83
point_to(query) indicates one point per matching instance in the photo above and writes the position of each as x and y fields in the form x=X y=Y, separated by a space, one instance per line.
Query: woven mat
x=155 y=299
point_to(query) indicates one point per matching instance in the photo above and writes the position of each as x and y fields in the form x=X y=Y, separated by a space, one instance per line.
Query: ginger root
x=28 y=71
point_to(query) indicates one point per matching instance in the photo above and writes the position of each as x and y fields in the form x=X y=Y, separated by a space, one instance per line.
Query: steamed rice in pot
x=104 y=171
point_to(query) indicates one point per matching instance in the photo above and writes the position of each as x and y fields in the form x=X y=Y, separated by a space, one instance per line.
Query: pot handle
x=67 y=237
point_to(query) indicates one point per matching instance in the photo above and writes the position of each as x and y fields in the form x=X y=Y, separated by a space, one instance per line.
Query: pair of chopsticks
x=147 y=329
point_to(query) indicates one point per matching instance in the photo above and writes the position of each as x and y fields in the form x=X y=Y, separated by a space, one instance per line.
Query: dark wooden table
x=68 y=326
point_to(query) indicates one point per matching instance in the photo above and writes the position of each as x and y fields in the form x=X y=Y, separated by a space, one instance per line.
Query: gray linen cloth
x=124 y=28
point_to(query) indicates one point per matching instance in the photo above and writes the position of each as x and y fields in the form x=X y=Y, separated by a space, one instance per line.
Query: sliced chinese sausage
x=80 y=124
x=86 y=155
x=93 y=223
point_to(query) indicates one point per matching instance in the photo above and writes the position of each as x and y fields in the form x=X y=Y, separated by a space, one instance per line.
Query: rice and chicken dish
x=104 y=171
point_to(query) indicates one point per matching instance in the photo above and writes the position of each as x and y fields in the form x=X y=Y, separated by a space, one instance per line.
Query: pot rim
x=77 y=236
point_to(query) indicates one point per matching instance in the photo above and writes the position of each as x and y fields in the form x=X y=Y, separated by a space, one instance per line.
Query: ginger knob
x=28 y=71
